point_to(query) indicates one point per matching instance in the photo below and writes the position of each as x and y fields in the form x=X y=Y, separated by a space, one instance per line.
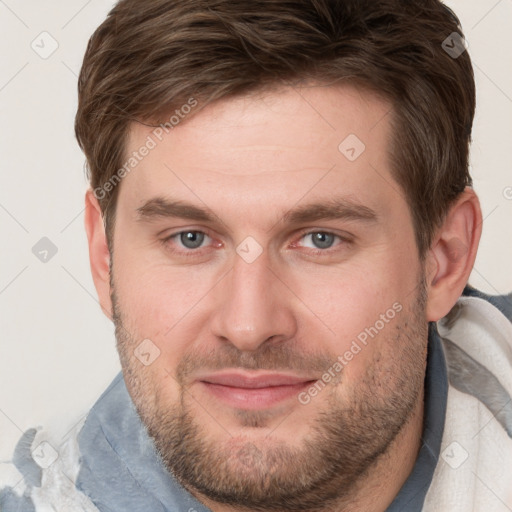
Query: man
x=280 y=219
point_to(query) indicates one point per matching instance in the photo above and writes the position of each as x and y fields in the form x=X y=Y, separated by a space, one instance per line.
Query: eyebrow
x=336 y=208
x=160 y=207
x=331 y=209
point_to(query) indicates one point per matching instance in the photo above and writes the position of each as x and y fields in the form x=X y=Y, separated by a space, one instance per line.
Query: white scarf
x=474 y=472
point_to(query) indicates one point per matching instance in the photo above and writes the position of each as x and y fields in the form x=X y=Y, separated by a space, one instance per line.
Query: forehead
x=272 y=148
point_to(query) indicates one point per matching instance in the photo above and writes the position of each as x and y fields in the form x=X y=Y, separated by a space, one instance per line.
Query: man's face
x=301 y=274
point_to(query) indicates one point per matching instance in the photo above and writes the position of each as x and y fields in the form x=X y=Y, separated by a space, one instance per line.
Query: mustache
x=278 y=357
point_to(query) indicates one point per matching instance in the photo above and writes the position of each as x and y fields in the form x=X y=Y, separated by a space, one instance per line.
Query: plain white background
x=57 y=350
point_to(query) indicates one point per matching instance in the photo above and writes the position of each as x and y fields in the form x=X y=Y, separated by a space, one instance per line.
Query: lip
x=254 y=391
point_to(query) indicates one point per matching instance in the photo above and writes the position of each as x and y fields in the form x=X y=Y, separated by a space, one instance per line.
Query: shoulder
x=477 y=341
x=476 y=451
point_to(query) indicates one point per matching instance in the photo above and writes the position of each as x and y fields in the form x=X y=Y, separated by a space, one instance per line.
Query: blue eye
x=191 y=239
x=193 y=243
x=190 y=243
x=321 y=239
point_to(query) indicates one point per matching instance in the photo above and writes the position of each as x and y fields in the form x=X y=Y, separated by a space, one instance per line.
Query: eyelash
x=194 y=252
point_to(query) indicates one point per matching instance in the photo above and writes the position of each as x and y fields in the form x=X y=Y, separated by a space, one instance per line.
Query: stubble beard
x=346 y=439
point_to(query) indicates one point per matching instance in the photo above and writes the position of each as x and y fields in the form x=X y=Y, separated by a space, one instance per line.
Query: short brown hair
x=147 y=58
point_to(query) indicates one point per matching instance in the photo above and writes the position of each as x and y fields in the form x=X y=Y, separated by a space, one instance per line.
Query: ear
x=452 y=254
x=99 y=255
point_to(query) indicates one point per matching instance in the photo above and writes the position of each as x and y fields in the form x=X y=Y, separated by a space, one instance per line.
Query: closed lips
x=255 y=382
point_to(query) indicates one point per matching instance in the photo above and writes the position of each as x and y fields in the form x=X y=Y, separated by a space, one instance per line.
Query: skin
x=294 y=309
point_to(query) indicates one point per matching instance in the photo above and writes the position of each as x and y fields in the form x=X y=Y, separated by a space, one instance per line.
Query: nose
x=253 y=306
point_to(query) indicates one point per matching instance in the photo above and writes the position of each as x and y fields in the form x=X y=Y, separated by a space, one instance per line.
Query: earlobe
x=99 y=254
x=452 y=254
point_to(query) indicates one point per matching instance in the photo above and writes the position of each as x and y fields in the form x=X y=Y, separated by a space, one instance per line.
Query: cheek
x=358 y=307
x=157 y=296
x=158 y=315
x=165 y=305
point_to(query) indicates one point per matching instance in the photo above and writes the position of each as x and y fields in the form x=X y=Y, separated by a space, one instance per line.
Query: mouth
x=254 y=391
